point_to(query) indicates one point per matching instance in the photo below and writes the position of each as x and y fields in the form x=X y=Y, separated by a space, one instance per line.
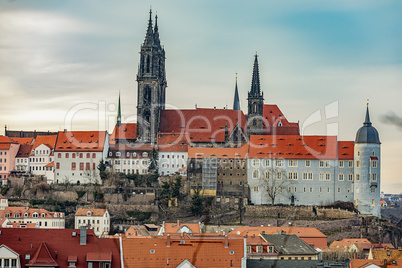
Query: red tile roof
x=345 y=150
x=48 y=140
x=360 y=263
x=199 y=152
x=275 y=123
x=5 y=139
x=360 y=243
x=94 y=211
x=170 y=251
x=130 y=147
x=51 y=164
x=27 y=241
x=77 y=141
x=42 y=257
x=310 y=235
x=172 y=142
x=23 y=140
x=172 y=228
x=126 y=131
x=24 y=150
x=298 y=147
x=201 y=125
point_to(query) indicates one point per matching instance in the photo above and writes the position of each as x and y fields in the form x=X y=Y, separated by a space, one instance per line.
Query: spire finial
x=367 y=119
x=119 y=112
x=149 y=35
x=236 y=102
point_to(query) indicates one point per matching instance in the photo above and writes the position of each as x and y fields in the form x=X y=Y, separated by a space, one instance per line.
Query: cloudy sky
x=63 y=63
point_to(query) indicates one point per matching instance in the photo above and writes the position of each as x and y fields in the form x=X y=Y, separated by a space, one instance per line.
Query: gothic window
x=147 y=94
x=254 y=122
x=254 y=108
x=148 y=63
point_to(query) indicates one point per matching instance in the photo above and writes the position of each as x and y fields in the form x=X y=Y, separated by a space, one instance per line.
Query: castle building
x=316 y=170
x=280 y=165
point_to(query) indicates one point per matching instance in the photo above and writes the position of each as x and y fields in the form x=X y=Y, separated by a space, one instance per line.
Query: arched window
x=88 y=155
x=59 y=155
x=267 y=175
x=256 y=174
x=254 y=122
x=57 y=165
x=88 y=166
x=255 y=108
x=67 y=155
x=73 y=166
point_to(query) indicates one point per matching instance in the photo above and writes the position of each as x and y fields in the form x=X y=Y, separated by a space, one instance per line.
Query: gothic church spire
x=156 y=33
x=236 y=102
x=149 y=37
x=255 y=82
x=118 y=113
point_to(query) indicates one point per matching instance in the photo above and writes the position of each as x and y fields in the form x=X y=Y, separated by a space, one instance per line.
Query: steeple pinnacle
x=367 y=119
x=149 y=37
x=156 y=33
x=236 y=102
x=118 y=113
x=255 y=83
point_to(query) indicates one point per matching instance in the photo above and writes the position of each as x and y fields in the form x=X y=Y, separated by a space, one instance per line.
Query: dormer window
x=89 y=213
x=135 y=154
x=35 y=215
x=43 y=215
x=118 y=154
x=26 y=215
x=144 y=154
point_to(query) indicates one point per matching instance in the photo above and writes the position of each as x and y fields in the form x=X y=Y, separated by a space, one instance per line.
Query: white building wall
x=171 y=162
x=325 y=186
x=67 y=171
x=22 y=164
x=41 y=156
x=100 y=224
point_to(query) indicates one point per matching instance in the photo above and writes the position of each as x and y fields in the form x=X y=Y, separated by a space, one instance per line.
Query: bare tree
x=274 y=183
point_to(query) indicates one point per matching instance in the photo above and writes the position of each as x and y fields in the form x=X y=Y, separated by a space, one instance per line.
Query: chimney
x=83 y=236
x=168 y=241
x=178 y=223
x=226 y=242
x=65 y=130
x=263 y=232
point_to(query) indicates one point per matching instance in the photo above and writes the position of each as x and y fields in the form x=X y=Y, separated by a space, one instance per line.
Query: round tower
x=367 y=164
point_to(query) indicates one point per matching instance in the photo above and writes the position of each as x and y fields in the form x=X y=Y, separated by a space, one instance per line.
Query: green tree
x=197 y=203
x=102 y=170
x=176 y=186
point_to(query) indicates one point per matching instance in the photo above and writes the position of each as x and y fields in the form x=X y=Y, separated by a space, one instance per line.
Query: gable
x=6 y=252
x=185 y=264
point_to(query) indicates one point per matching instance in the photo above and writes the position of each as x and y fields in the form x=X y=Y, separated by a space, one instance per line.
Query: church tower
x=151 y=79
x=367 y=167
x=255 y=103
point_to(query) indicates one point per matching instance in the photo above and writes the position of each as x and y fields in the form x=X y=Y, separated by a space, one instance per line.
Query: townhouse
x=93 y=218
x=78 y=154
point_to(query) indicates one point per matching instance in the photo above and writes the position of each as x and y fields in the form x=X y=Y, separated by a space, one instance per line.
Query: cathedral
x=259 y=155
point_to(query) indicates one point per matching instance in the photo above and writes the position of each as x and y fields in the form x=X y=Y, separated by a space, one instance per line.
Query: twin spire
x=255 y=82
x=152 y=36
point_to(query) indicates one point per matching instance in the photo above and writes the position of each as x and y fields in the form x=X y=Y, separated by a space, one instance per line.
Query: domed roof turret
x=367 y=133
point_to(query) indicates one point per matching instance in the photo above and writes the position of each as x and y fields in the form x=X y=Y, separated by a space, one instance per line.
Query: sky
x=63 y=63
